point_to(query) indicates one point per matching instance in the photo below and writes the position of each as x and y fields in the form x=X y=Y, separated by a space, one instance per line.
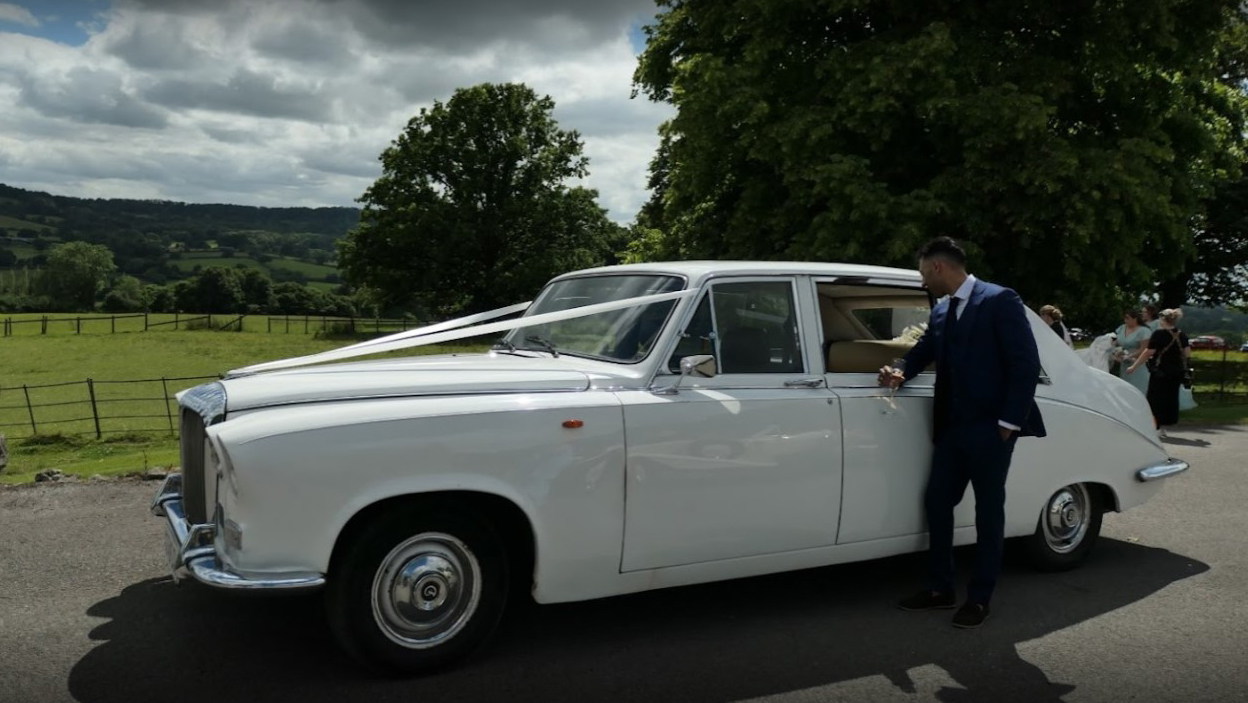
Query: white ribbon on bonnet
x=459 y=328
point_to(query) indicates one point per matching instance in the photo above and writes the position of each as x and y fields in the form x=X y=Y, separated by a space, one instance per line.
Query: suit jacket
x=990 y=367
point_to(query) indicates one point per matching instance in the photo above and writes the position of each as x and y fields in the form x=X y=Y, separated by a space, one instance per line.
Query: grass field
x=206 y=260
x=307 y=268
x=134 y=416
x=13 y=224
x=188 y=262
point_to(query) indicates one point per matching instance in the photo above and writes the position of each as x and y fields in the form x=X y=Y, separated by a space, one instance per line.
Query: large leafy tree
x=473 y=209
x=1074 y=146
x=76 y=272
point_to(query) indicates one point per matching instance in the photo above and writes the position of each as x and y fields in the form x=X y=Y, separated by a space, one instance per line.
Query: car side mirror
x=698 y=366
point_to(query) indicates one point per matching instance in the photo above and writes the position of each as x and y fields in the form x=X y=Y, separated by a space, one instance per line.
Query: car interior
x=865 y=327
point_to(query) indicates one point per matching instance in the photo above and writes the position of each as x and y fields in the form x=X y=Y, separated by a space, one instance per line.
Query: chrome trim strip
x=1169 y=468
x=196 y=554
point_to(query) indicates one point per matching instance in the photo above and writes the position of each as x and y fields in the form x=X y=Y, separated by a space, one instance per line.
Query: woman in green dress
x=1133 y=335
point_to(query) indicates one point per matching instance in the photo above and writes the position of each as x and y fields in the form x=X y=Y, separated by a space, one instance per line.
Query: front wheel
x=417 y=591
x=1069 y=524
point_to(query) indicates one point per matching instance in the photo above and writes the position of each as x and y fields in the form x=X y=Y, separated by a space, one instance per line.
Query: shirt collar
x=964 y=291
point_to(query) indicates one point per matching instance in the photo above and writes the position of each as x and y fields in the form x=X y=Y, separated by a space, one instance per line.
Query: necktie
x=951 y=318
x=944 y=371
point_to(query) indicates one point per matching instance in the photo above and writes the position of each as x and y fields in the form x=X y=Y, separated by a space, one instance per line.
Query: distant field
x=307 y=268
x=22 y=251
x=12 y=223
x=66 y=432
x=188 y=262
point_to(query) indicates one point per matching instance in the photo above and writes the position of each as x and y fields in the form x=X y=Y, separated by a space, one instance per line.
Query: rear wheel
x=1069 y=525
x=416 y=591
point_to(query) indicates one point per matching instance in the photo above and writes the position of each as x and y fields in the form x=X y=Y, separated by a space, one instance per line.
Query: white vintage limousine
x=638 y=427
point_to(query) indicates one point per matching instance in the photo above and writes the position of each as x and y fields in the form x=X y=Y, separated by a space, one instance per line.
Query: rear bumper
x=1169 y=467
x=191 y=550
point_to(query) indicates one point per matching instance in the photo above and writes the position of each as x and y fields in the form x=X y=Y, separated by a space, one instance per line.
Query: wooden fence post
x=30 y=409
x=144 y=321
x=1222 y=381
x=44 y=327
x=175 y=319
x=164 y=386
x=114 y=319
x=95 y=412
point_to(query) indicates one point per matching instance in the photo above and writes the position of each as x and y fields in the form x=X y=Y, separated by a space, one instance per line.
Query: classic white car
x=640 y=427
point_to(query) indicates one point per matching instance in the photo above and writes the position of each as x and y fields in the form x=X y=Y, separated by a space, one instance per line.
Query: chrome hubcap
x=1065 y=519
x=426 y=589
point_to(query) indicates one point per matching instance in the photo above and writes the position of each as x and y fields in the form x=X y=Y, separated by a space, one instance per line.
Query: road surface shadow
x=718 y=642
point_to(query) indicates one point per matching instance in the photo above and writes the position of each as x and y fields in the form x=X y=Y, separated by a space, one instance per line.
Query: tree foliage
x=1075 y=147
x=76 y=272
x=473 y=209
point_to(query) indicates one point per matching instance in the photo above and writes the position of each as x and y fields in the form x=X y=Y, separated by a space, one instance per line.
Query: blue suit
x=987 y=367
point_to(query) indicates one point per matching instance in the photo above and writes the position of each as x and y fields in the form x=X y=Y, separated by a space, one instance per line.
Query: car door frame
x=811 y=518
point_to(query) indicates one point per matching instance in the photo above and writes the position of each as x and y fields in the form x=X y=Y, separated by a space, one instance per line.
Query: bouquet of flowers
x=912 y=334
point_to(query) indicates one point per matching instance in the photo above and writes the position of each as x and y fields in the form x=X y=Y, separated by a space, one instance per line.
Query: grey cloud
x=306 y=43
x=462 y=25
x=459 y=26
x=17 y=14
x=247 y=93
x=334 y=161
x=231 y=136
x=156 y=44
x=91 y=96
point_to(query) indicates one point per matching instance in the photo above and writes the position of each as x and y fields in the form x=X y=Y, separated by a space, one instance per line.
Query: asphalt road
x=1160 y=613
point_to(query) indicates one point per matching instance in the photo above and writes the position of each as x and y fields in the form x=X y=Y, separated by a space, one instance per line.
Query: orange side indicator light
x=573 y=424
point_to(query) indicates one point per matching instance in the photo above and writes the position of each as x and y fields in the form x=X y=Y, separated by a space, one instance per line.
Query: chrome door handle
x=804 y=383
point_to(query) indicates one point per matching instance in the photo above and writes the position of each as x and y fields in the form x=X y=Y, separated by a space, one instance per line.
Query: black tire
x=1069 y=524
x=417 y=590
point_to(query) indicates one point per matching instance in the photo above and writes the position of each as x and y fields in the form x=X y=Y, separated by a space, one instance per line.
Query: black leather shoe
x=928 y=600
x=970 y=615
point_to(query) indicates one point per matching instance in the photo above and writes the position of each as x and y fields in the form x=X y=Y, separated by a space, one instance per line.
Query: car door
x=887 y=436
x=747 y=462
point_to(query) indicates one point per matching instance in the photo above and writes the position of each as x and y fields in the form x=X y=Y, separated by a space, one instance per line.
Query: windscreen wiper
x=544 y=343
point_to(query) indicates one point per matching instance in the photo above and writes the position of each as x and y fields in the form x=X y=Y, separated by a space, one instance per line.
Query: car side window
x=866 y=327
x=750 y=327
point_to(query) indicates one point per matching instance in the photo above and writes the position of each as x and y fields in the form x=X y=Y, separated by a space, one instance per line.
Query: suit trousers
x=974 y=453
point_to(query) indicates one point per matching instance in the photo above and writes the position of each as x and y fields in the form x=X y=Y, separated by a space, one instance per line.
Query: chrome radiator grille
x=192 y=446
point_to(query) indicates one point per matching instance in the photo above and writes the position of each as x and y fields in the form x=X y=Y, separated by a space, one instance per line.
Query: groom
x=987 y=368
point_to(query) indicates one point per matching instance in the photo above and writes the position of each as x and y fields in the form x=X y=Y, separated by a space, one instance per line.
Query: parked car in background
x=1208 y=341
x=1243 y=347
x=640 y=427
x=1079 y=334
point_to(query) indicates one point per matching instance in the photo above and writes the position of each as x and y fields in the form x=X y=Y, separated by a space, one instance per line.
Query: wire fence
x=1224 y=379
x=146 y=322
x=92 y=407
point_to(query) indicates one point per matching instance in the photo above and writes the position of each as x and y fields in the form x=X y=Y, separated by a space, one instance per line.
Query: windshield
x=619 y=335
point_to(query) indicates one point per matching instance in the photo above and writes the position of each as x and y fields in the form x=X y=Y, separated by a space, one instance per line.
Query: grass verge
x=1216 y=412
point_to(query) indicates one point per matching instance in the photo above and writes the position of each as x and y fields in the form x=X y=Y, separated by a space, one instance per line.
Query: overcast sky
x=290 y=102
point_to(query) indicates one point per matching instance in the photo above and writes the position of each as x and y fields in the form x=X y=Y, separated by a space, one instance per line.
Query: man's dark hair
x=1152 y=311
x=1135 y=315
x=943 y=248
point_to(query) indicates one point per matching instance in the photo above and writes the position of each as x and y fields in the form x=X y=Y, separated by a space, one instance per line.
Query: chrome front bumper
x=192 y=552
x=1169 y=467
